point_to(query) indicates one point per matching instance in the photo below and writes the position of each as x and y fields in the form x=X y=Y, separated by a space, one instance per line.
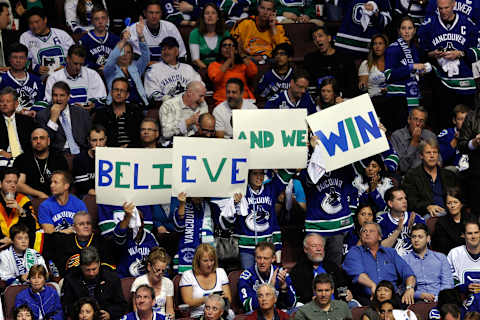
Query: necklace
x=42 y=173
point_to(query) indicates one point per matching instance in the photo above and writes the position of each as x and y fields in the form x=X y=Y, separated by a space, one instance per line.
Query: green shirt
x=207 y=55
x=311 y=311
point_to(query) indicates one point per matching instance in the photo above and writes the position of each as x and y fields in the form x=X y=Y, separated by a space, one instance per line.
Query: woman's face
x=379 y=46
x=127 y=56
x=210 y=16
x=407 y=30
x=86 y=312
x=384 y=293
x=454 y=206
x=365 y=215
x=24 y=315
x=37 y=282
x=206 y=263
x=386 y=311
x=157 y=270
x=372 y=169
x=227 y=48
x=328 y=95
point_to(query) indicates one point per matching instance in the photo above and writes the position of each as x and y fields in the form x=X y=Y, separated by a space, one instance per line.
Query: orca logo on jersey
x=258 y=219
x=357 y=14
x=137 y=268
x=331 y=203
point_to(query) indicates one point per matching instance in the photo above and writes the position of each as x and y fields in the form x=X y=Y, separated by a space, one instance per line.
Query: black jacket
x=470 y=128
x=419 y=191
x=302 y=278
x=25 y=126
x=448 y=234
x=108 y=292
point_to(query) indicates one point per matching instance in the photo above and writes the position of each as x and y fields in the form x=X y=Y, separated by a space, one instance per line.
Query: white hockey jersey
x=465 y=269
x=50 y=50
x=167 y=29
x=163 y=81
x=87 y=86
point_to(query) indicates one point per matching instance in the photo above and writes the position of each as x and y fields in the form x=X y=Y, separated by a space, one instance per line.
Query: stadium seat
x=422 y=309
x=240 y=317
x=91 y=204
x=357 y=312
x=233 y=280
x=177 y=297
x=126 y=286
x=36 y=204
x=431 y=224
x=9 y=296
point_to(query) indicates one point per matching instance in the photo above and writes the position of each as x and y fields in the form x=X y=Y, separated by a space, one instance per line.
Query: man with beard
x=223 y=112
x=294 y=97
x=84 y=163
x=310 y=265
x=36 y=167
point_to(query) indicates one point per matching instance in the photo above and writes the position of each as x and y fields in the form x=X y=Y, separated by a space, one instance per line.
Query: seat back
x=431 y=223
x=357 y=312
x=126 y=287
x=233 y=280
x=422 y=309
x=177 y=297
x=91 y=204
x=10 y=294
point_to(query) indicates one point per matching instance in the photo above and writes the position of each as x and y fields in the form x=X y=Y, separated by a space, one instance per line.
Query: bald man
x=179 y=115
x=206 y=128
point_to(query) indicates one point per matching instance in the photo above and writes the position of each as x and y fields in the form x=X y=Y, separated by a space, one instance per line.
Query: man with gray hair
x=310 y=264
x=371 y=263
x=93 y=280
x=426 y=185
x=267 y=297
x=214 y=307
x=179 y=115
x=406 y=140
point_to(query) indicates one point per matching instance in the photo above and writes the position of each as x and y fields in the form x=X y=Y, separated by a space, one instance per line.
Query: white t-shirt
x=376 y=78
x=223 y=116
x=188 y=279
x=165 y=291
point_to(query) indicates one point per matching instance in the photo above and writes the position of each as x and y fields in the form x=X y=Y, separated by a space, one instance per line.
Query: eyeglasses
x=207 y=130
x=119 y=90
x=156 y=271
x=227 y=45
x=148 y=130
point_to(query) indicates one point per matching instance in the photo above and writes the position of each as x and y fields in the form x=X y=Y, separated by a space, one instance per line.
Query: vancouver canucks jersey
x=415 y=10
x=331 y=201
x=250 y=280
x=465 y=268
x=30 y=91
x=133 y=255
x=450 y=156
x=461 y=35
x=282 y=101
x=50 y=50
x=98 y=49
x=110 y=216
x=272 y=83
x=470 y=8
x=403 y=245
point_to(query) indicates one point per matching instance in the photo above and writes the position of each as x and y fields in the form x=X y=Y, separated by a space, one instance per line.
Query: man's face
x=323 y=293
x=82 y=224
x=256 y=177
x=369 y=235
x=266 y=298
x=74 y=65
x=445 y=8
x=264 y=259
x=399 y=202
x=90 y=271
x=419 y=240
x=416 y=120
x=97 y=139
x=148 y=132
x=40 y=140
x=120 y=92
x=18 y=61
x=4 y=18
x=298 y=88
x=37 y=25
x=281 y=58
x=153 y=14
x=314 y=249
x=8 y=104
x=143 y=300
x=322 y=41
x=265 y=10
x=429 y=156
x=459 y=119
x=207 y=127
x=100 y=21
x=60 y=96
x=9 y=183
x=386 y=312
x=213 y=310
x=198 y=96
x=170 y=54
x=234 y=95
x=58 y=186
x=472 y=235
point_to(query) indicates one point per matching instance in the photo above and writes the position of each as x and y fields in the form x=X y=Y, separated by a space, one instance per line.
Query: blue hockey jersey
x=331 y=202
x=470 y=8
x=351 y=36
x=403 y=245
x=272 y=83
x=98 y=49
x=133 y=255
x=251 y=279
x=416 y=11
x=110 y=216
x=30 y=92
x=450 y=156
x=282 y=101
x=462 y=35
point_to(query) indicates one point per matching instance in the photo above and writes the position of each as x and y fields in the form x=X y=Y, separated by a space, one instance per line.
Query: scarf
x=411 y=86
x=23 y=265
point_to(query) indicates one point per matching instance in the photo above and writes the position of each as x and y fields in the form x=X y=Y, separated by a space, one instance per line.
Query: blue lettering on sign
x=186 y=168
x=104 y=173
x=235 y=171
x=135 y=178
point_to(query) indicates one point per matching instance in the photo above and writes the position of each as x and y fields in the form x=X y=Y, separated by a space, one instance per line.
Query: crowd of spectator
x=382 y=234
